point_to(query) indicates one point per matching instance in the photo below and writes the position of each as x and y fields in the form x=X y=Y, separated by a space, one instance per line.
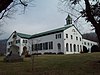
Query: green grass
x=76 y=64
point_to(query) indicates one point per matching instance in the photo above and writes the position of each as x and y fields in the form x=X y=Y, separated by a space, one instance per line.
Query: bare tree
x=8 y=7
x=90 y=9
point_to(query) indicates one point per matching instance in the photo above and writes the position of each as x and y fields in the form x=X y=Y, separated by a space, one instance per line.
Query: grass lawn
x=76 y=64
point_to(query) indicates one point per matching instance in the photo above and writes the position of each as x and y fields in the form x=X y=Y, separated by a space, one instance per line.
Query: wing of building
x=67 y=40
x=21 y=42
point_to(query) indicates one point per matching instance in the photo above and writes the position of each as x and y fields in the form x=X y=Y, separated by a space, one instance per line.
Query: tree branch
x=7 y=10
x=78 y=17
x=23 y=3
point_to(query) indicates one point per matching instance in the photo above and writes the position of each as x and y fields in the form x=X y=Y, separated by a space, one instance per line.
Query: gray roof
x=51 y=31
x=26 y=36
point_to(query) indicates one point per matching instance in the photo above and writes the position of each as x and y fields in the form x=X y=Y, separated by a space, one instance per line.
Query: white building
x=88 y=44
x=67 y=40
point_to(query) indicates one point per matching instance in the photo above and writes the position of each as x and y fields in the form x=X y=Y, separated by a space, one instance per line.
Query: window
x=32 y=47
x=11 y=42
x=17 y=41
x=40 y=46
x=69 y=21
x=51 y=45
x=84 y=43
x=91 y=44
x=71 y=47
x=76 y=38
x=45 y=45
x=78 y=47
x=74 y=48
x=57 y=36
x=73 y=30
x=71 y=37
x=66 y=35
x=88 y=43
x=8 y=43
x=80 y=39
x=35 y=47
x=67 y=47
x=24 y=41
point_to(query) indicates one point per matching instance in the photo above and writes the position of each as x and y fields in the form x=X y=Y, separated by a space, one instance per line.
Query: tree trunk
x=91 y=18
x=97 y=31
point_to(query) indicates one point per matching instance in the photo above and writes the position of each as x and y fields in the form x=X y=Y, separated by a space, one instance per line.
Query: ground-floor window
x=46 y=45
x=71 y=47
x=42 y=46
x=51 y=45
x=78 y=47
x=66 y=46
x=32 y=47
x=74 y=48
x=36 y=47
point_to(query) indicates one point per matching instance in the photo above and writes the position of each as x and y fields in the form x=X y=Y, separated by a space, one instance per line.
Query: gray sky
x=44 y=16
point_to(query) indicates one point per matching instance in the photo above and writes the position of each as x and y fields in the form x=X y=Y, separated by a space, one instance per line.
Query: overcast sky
x=44 y=16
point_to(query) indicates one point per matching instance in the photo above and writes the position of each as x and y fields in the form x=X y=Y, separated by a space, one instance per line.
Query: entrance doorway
x=59 y=47
x=25 y=52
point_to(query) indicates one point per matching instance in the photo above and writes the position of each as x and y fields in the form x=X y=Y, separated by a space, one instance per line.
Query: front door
x=59 y=47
